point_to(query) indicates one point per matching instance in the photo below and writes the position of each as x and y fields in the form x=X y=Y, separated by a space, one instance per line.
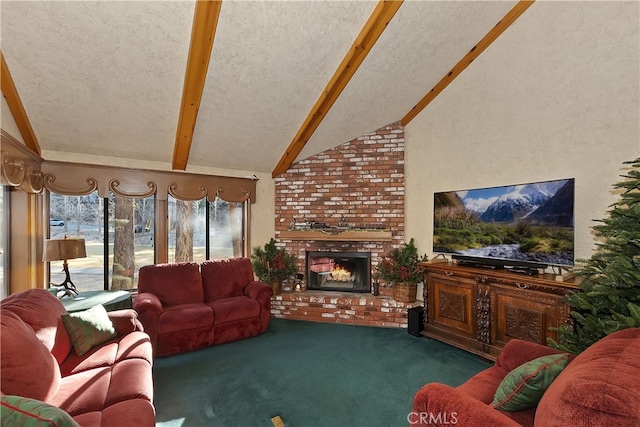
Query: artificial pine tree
x=609 y=296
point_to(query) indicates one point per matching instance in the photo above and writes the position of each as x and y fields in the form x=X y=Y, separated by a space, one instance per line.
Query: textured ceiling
x=105 y=78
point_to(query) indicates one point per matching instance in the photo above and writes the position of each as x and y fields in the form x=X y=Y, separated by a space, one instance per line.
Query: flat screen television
x=527 y=225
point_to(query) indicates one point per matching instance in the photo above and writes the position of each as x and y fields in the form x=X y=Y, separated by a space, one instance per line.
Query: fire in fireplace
x=339 y=271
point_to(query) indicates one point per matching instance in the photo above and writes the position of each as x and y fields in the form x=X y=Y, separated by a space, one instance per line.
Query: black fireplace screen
x=339 y=271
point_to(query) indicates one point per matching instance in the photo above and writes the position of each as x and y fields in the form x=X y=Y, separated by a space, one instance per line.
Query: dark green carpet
x=311 y=374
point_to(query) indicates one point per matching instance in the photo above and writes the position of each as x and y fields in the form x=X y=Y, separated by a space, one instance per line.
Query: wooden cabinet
x=479 y=310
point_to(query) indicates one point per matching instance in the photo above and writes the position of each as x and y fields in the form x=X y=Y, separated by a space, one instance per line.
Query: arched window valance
x=80 y=179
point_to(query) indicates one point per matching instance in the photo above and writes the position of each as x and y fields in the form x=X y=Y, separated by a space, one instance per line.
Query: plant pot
x=405 y=292
x=276 y=286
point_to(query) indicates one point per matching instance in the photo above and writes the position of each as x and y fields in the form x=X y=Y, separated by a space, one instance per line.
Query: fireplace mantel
x=337 y=236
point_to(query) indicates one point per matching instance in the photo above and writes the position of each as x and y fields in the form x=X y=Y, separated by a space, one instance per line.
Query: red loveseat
x=110 y=385
x=186 y=306
x=600 y=387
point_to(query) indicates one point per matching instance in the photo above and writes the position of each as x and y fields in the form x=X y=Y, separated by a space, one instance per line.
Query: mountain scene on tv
x=531 y=222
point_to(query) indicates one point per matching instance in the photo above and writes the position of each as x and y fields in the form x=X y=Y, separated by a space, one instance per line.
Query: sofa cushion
x=42 y=311
x=523 y=387
x=175 y=283
x=135 y=345
x=132 y=412
x=89 y=328
x=517 y=351
x=599 y=387
x=99 y=388
x=182 y=317
x=28 y=367
x=225 y=278
x=484 y=384
x=235 y=308
x=22 y=411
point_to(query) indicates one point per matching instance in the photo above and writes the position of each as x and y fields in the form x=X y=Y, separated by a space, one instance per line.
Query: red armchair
x=599 y=387
x=186 y=306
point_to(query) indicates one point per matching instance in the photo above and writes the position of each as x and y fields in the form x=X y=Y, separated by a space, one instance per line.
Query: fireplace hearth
x=339 y=271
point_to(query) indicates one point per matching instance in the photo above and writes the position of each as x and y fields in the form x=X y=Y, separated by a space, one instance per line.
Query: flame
x=341 y=274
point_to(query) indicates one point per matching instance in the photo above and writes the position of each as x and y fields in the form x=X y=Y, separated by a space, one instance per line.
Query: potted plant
x=273 y=265
x=401 y=270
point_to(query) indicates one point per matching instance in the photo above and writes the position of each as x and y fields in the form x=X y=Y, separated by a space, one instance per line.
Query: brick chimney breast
x=360 y=182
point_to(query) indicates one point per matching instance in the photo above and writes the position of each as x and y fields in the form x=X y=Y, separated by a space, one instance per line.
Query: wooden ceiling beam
x=17 y=109
x=486 y=41
x=205 y=21
x=374 y=27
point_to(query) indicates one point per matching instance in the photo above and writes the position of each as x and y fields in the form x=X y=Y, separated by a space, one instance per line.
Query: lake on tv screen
x=530 y=222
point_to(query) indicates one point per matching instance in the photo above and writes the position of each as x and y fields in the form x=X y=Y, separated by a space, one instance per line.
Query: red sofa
x=600 y=387
x=111 y=385
x=186 y=306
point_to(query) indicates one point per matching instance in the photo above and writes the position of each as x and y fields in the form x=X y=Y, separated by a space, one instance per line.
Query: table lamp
x=63 y=250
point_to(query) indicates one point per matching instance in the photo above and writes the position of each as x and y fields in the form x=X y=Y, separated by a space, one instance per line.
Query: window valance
x=75 y=179
x=26 y=170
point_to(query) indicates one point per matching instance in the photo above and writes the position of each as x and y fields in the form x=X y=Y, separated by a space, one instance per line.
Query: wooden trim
x=545 y=282
x=342 y=236
x=246 y=232
x=161 y=231
x=10 y=93
x=19 y=166
x=205 y=21
x=486 y=41
x=19 y=148
x=376 y=24
x=26 y=240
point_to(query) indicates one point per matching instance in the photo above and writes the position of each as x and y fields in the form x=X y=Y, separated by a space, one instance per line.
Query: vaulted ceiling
x=284 y=80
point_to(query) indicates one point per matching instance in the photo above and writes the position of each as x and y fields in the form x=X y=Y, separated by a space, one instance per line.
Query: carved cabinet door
x=522 y=313
x=451 y=303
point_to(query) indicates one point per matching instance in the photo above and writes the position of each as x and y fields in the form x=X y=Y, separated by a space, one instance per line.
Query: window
x=226 y=229
x=187 y=225
x=125 y=240
x=79 y=217
x=189 y=221
x=120 y=235
x=131 y=239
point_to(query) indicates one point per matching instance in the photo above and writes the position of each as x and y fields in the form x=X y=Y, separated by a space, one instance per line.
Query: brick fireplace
x=358 y=186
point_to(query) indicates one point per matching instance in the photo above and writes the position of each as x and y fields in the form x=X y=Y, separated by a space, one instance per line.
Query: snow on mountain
x=520 y=202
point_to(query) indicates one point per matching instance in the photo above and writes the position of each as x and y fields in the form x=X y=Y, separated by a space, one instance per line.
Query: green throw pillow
x=24 y=412
x=88 y=328
x=523 y=387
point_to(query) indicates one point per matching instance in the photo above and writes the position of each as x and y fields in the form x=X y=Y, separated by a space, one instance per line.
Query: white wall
x=263 y=212
x=556 y=96
x=7 y=122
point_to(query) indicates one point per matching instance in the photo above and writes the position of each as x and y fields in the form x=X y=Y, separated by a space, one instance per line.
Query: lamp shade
x=63 y=249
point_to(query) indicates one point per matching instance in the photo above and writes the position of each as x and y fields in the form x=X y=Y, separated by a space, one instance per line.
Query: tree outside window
x=131 y=234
